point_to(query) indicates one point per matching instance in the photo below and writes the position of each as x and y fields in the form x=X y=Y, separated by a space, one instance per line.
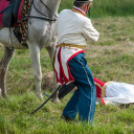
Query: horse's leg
x=35 y=58
x=8 y=54
x=51 y=50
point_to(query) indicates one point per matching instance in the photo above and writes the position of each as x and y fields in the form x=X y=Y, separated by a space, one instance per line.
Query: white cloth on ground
x=119 y=93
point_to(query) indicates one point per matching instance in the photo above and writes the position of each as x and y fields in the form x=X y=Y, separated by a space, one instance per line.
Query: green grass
x=111 y=58
x=103 y=8
x=15 y=118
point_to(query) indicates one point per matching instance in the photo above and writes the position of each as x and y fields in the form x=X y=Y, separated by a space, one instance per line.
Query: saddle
x=10 y=13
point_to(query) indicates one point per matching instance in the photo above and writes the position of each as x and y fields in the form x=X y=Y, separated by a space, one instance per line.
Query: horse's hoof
x=40 y=97
x=7 y=98
x=55 y=100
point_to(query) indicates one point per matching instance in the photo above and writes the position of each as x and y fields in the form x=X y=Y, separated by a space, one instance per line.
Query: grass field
x=111 y=58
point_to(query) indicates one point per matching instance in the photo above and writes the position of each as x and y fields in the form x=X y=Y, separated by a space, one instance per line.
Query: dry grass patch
x=111 y=58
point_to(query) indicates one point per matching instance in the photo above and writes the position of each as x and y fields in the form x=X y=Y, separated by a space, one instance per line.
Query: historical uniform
x=74 y=31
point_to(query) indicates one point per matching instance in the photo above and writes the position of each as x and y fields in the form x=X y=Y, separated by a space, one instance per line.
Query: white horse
x=39 y=36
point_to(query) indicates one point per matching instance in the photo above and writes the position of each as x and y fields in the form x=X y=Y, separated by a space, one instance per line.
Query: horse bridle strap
x=42 y=18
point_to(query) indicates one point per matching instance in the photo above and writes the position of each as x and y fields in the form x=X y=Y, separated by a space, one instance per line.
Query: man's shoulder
x=65 y=11
x=78 y=17
x=84 y=20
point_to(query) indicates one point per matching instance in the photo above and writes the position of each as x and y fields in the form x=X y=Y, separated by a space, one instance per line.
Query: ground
x=111 y=58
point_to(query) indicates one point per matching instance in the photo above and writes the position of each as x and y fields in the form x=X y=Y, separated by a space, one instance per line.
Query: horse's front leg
x=4 y=63
x=51 y=50
x=35 y=58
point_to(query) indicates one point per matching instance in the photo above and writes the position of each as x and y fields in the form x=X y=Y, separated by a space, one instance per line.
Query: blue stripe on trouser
x=83 y=99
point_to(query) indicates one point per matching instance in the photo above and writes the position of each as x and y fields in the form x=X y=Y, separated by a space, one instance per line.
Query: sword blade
x=46 y=100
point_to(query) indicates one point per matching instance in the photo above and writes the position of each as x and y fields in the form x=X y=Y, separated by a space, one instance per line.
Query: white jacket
x=72 y=28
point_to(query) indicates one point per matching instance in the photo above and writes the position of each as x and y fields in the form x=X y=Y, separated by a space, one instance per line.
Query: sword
x=46 y=100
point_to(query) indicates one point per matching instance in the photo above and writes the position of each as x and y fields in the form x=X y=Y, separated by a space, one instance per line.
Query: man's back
x=72 y=28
